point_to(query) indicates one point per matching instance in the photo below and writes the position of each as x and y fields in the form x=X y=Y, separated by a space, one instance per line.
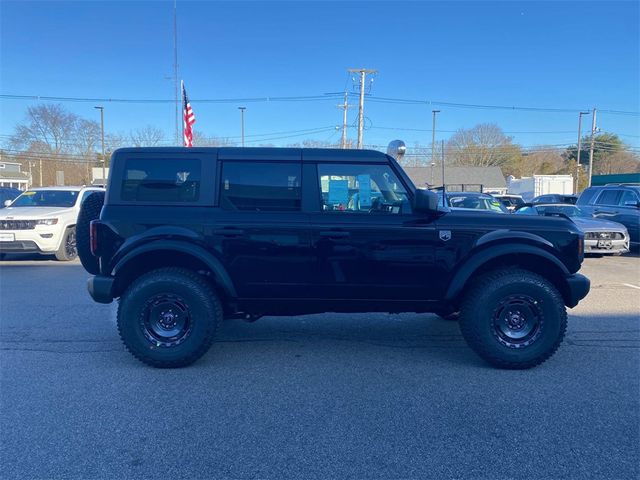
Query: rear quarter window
x=161 y=180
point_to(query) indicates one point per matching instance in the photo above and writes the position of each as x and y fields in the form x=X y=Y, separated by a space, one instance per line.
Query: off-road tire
x=485 y=301
x=89 y=210
x=197 y=297
x=68 y=247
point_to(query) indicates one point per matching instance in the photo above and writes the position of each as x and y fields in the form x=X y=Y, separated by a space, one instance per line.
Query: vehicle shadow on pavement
x=346 y=334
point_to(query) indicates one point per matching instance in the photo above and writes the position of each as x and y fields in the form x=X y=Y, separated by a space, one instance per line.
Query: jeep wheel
x=68 y=249
x=89 y=210
x=513 y=318
x=168 y=317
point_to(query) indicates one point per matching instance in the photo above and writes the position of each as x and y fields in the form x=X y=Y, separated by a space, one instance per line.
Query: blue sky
x=573 y=55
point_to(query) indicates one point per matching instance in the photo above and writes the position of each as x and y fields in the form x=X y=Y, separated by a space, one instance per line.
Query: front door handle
x=229 y=232
x=334 y=234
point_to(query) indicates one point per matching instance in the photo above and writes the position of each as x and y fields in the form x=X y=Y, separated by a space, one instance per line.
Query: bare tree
x=47 y=127
x=617 y=162
x=546 y=161
x=200 y=139
x=484 y=145
x=148 y=136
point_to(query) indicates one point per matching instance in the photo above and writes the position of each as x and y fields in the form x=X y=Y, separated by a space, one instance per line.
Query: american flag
x=189 y=119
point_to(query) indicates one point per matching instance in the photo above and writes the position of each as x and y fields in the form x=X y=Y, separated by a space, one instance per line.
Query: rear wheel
x=168 y=317
x=68 y=249
x=89 y=210
x=513 y=318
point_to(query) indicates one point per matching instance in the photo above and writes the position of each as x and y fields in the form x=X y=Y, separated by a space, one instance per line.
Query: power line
x=312 y=98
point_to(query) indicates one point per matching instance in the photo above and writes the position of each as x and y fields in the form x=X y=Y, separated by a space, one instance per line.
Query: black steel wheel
x=166 y=321
x=513 y=318
x=517 y=321
x=168 y=317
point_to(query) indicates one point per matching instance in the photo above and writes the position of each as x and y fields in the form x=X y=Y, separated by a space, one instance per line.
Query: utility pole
x=175 y=69
x=104 y=160
x=444 y=188
x=593 y=132
x=433 y=136
x=242 y=109
x=345 y=106
x=579 y=149
x=363 y=74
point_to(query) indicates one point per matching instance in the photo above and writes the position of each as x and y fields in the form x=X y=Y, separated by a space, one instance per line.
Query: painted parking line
x=632 y=286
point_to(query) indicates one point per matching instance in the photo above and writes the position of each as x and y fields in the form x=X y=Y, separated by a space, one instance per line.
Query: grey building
x=476 y=179
x=11 y=176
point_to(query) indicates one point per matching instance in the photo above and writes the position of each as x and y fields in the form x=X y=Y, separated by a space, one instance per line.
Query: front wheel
x=513 y=318
x=168 y=317
x=68 y=250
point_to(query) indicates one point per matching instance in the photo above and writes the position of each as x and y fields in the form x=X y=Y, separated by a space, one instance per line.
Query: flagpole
x=183 y=112
x=175 y=67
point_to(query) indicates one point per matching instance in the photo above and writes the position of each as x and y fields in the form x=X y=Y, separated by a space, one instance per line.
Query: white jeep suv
x=43 y=220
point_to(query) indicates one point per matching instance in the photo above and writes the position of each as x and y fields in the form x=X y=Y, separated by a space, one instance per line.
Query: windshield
x=476 y=202
x=568 y=210
x=46 y=198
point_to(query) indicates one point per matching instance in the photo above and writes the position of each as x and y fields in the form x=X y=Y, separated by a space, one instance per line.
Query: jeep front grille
x=603 y=236
x=17 y=224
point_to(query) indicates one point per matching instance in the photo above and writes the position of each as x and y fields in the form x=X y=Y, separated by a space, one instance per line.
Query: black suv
x=189 y=237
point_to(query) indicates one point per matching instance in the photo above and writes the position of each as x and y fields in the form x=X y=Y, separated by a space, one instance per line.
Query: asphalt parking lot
x=320 y=396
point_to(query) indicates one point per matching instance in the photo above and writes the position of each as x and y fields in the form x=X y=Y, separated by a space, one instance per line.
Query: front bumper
x=42 y=239
x=606 y=246
x=578 y=287
x=100 y=288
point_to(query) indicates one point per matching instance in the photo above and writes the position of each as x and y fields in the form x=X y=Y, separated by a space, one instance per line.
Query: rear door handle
x=229 y=232
x=334 y=234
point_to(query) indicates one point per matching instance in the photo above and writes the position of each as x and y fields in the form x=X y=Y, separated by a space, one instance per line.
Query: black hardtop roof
x=267 y=153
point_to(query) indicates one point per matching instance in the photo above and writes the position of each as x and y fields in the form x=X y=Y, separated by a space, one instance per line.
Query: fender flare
x=473 y=263
x=222 y=278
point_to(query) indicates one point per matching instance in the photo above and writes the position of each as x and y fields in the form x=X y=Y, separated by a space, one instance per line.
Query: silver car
x=600 y=236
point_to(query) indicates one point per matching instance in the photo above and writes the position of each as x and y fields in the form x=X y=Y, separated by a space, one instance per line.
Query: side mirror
x=7 y=203
x=425 y=201
x=632 y=204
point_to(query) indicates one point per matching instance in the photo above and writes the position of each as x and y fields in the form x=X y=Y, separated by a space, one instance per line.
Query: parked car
x=600 y=236
x=7 y=194
x=556 y=198
x=185 y=237
x=511 y=202
x=619 y=203
x=43 y=220
x=475 y=201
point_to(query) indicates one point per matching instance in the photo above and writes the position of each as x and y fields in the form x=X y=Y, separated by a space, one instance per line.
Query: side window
x=608 y=197
x=161 y=180
x=261 y=186
x=627 y=196
x=365 y=189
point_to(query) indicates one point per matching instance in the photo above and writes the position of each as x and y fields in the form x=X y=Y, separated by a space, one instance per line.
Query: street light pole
x=579 y=147
x=104 y=160
x=242 y=109
x=433 y=136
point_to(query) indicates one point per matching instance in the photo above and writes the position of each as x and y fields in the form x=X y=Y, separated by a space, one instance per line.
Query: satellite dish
x=397 y=149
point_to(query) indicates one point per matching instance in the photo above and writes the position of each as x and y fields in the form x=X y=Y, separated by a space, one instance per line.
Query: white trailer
x=530 y=187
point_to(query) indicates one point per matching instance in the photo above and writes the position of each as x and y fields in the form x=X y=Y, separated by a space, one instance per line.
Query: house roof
x=488 y=177
x=9 y=175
